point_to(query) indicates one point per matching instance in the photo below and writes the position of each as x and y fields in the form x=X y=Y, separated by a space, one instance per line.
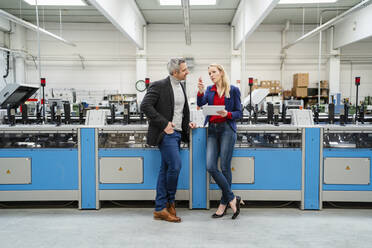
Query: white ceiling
x=78 y=14
x=222 y=13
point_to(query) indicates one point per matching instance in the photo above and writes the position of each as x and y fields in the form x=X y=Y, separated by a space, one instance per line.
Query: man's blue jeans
x=220 y=143
x=169 y=170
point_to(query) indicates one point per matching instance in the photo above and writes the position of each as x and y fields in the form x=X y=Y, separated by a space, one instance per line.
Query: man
x=166 y=108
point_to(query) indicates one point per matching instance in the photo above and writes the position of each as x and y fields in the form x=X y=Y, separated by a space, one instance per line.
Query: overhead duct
x=329 y=23
x=33 y=27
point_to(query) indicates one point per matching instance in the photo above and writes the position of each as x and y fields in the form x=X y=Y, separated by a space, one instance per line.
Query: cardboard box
x=324 y=84
x=278 y=89
x=272 y=90
x=300 y=80
x=275 y=83
x=299 y=91
x=265 y=84
x=324 y=92
x=287 y=94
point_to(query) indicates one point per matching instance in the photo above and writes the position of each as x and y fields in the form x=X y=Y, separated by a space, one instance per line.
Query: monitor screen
x=18 y=96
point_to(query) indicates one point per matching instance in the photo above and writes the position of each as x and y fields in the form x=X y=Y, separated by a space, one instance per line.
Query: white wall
x=110 y=57
x=357 y=62
x=263 y=50
x=209 y=44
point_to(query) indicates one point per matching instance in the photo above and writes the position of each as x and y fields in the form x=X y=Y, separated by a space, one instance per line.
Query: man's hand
x=222 y=113
x=169 y=129
x=192 y=125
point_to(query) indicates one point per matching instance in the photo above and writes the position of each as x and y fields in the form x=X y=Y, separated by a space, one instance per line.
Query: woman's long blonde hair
x=225 y=80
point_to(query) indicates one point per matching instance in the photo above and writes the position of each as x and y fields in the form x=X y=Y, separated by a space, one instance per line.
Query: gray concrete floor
x=135 y=227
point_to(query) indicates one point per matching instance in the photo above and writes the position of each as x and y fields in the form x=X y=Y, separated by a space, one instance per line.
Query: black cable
x=284 y=205
x=2 y=205
x=120 y=205
x=334 y=205
x=348 y=205
x=7 y=64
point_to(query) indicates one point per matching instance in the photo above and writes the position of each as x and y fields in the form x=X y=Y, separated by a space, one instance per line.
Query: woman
x=221 y=133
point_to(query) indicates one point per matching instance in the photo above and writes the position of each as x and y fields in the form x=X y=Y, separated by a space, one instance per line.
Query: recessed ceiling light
x=170 y=2
x=305 y=1
x=192 y=2
x=202 y=2
x=57 y=2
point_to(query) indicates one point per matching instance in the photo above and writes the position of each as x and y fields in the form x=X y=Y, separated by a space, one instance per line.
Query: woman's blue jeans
x=220 y=143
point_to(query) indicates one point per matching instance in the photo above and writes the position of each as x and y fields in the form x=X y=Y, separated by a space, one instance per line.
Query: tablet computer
x=212 y=109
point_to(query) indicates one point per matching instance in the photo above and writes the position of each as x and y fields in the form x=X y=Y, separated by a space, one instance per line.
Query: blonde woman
x=221 y=133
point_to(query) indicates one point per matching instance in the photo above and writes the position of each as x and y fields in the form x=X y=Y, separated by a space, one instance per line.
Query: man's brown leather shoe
x=165 y=215
x=171 y=207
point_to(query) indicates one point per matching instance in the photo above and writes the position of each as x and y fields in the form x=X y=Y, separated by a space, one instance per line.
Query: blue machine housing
x=51 y=171
x=280 y=174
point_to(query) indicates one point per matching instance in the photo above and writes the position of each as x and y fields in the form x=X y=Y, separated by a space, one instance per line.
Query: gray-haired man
x=165 y=106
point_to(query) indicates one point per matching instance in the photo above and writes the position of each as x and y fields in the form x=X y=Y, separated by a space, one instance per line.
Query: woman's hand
x=201 y=85
x=222 y=113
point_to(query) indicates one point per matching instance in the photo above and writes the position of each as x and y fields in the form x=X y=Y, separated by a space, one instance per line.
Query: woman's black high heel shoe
x=237 y=204
x=215 y=216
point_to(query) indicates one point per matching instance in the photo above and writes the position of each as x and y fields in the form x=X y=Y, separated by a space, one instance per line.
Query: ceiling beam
x=125 y=16
x=248 y=17
x=4 y=25
x=353 y=28
x=186 y=20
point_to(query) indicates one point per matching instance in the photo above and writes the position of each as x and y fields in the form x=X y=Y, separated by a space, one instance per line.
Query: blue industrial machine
x=39 y=163
x=128 y=169
x=309 y=164
x=266 y=164
x=346 y=164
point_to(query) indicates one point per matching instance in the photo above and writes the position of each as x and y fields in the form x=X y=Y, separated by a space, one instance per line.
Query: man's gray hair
x=174 y=64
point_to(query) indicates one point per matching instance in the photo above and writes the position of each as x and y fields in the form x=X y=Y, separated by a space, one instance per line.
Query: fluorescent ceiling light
x=202 y=2
x=192 y=2
x=305 y=1
x=57 y=2
x=170 y=2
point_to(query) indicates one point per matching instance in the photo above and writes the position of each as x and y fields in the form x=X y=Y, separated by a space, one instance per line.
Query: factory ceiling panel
x=221 y=13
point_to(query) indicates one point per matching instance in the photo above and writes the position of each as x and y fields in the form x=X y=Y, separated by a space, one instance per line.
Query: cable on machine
x=7 y=65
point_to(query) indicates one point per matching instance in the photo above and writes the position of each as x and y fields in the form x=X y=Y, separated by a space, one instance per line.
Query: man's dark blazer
x=158 y=106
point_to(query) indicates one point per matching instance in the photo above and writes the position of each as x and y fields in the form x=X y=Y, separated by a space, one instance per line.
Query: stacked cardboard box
x=278 y=89
x=276 y=84
x=272 y=85
x=265 y=84
x=324 y=92
x=324 y=86
x=287 y=94
x=300 y=84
